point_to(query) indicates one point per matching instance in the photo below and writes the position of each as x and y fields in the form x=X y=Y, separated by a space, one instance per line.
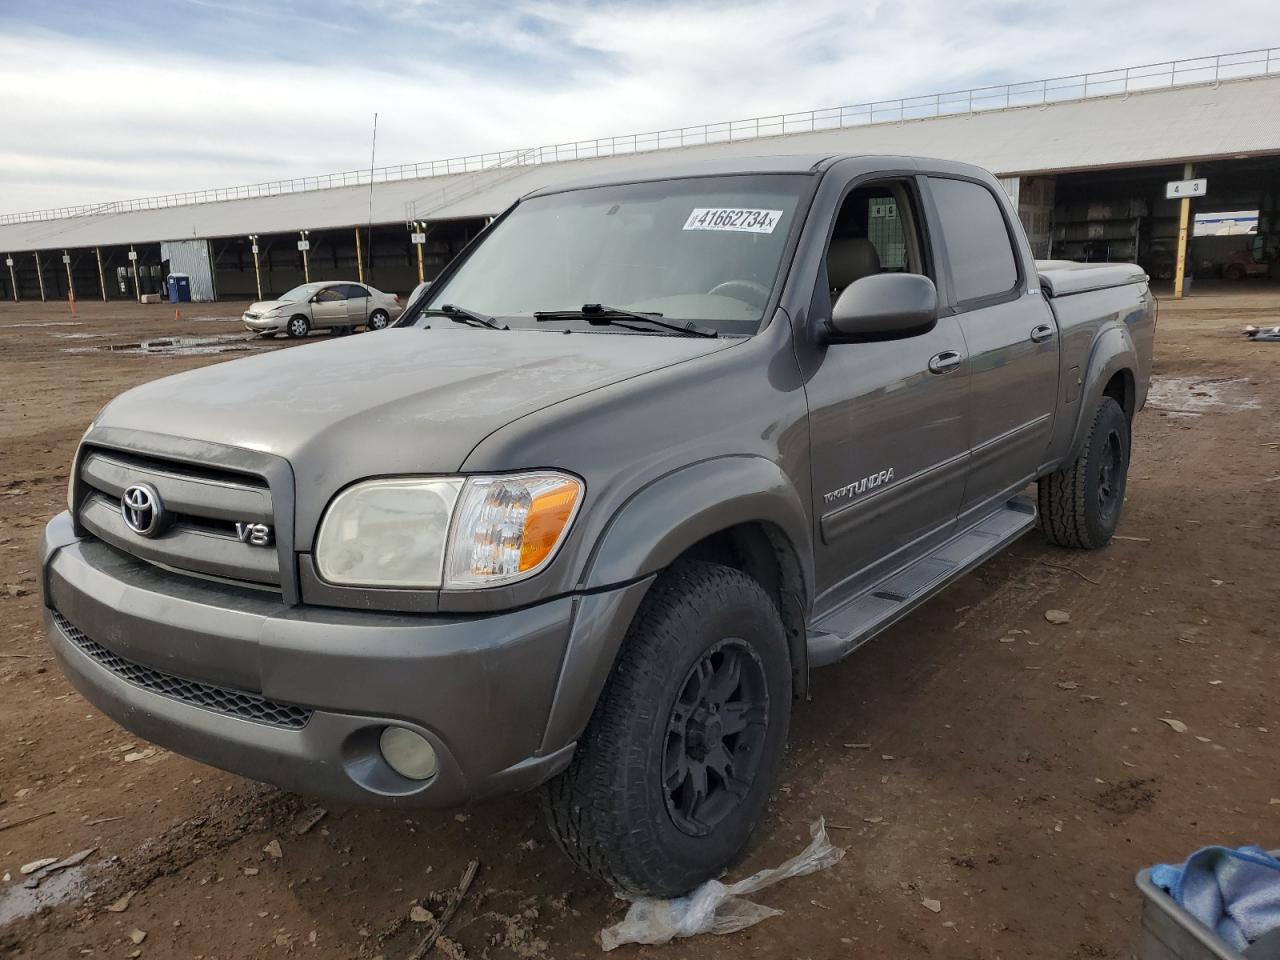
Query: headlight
x=459 y=532
x=387 y=533
x=508 y=528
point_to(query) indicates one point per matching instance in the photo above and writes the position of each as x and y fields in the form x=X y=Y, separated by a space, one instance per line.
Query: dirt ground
x=1015 y=771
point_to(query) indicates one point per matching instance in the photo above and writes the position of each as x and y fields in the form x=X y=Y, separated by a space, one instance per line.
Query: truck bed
x=1062 y=278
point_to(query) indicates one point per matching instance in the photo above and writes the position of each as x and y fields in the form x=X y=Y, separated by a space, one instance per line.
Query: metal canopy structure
x=1178 y=122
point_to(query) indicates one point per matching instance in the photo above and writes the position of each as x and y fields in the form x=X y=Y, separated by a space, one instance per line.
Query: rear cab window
x=975 y=235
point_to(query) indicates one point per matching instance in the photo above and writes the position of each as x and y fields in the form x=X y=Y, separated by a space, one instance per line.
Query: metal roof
x=1194 y=122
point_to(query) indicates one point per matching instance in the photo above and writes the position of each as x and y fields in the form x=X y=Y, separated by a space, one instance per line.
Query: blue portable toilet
x=179 y=288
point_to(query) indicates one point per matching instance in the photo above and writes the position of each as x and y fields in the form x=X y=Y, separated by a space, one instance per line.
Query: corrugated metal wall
x=192 y=258
x=1012 y=186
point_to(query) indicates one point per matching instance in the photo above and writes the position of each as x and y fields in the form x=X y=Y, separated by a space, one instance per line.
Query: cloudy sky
x=106 y=101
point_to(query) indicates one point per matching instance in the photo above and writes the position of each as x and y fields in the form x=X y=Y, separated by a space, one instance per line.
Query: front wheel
x=298 y=326
x=1080 y=504
x=378 y=320
x=678 y=760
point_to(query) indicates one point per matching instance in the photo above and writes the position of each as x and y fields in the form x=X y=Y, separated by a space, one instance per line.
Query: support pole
x=66 y=262
x=257 y=272
x=421 y=274
x=137 y=289
x=102 y=280
x=306 y=256
x=39 y=276
x=359 y=258
x=1184 y=215
x=13 y=279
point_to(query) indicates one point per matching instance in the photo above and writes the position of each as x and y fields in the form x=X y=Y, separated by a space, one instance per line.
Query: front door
x=888 y=420
x=329 y=307
x=1012 y=342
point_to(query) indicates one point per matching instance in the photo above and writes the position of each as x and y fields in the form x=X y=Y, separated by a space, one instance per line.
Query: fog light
x=407 y=753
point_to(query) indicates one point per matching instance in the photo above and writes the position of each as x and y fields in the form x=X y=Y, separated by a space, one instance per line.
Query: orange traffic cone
x=71 y=299
x=177 y=315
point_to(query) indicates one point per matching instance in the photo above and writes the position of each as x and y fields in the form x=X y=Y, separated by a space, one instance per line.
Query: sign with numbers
x=726 y=218
x=8 y=261
x=133 y=254
x=1177 y=189
x=304 y=244
x=254 y=249
x=66 y=258
x=417 y=238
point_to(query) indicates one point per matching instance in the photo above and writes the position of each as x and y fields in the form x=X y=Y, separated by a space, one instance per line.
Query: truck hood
x=396 y=401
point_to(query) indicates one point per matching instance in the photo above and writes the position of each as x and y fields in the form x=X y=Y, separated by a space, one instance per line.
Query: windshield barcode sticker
x=732 y=218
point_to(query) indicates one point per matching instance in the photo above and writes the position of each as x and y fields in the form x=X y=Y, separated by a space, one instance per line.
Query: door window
x=330 y=295
x=876 y=231
x=976 y=238
x=354 y=291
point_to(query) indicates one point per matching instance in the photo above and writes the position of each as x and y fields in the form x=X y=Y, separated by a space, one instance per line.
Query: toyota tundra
x=650 y=450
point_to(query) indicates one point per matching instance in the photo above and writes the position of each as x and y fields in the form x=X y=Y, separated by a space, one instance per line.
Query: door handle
x=1042 y=333
x=944 y=362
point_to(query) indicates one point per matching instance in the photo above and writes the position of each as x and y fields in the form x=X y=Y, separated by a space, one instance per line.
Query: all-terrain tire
x=612 y=811
x=1080 y=504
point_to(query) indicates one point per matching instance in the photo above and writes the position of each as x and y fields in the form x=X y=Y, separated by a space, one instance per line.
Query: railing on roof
x=1105 y=83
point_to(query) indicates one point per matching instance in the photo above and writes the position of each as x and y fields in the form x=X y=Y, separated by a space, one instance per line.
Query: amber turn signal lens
x=548 y=516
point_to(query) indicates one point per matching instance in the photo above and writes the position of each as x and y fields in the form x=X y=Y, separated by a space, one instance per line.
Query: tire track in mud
x=255 y=808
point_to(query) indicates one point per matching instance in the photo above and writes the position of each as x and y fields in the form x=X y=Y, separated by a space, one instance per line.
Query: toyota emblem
x=142 y=510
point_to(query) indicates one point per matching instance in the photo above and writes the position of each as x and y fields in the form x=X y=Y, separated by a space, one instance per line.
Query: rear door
x=1010 y=335
x=357 y=302
x=888 y=420
x=329 y=306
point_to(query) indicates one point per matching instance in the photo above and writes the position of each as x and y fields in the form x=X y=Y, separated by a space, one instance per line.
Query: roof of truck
x=719 y=166
x=812 y=163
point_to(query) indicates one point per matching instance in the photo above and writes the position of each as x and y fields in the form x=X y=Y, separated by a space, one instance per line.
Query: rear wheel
x=298 y=326
x=677 y=763
x=378 y=320
x=1080 y=504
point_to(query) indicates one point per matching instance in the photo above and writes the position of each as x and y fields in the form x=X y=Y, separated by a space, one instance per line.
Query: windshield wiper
x=598 y=313
x=472 y=318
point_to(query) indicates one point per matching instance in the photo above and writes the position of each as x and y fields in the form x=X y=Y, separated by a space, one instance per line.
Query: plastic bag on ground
x=715 y=907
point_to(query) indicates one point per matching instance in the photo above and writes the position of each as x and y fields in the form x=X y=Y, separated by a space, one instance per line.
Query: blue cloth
x=1235 y=893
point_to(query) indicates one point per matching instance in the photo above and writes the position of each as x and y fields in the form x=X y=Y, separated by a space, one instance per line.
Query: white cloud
x=87 y=121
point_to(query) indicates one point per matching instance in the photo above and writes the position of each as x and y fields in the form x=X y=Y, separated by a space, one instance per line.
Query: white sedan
x=340 y=306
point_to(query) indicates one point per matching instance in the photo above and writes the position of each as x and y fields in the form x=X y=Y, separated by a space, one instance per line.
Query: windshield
x=704 y=249
x=304 y=292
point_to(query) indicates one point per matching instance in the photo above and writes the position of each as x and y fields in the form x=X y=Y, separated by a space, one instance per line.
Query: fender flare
x=646 y=534
x=1112 y=352
x=668 y=516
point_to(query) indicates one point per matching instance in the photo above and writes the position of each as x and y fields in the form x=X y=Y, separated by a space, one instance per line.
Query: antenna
x=373 y=152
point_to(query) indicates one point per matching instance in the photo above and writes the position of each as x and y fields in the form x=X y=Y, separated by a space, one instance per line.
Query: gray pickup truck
x=585 y=518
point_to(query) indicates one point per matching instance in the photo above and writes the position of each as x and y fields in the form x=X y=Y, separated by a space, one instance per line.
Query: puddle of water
x=46 y=323
x=78 y=335
x=19 y=901
x=1192 y=397
x=214 y=319
x=175 y=346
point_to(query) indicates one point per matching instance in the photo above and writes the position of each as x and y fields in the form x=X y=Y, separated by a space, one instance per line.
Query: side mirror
x=884 y=306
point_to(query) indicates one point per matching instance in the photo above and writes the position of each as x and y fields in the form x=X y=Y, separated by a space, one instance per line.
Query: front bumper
x=263 y=324
x=187 y=664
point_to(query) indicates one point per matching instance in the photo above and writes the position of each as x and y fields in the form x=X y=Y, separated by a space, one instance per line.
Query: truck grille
x=202 y=506
x=235 y=703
